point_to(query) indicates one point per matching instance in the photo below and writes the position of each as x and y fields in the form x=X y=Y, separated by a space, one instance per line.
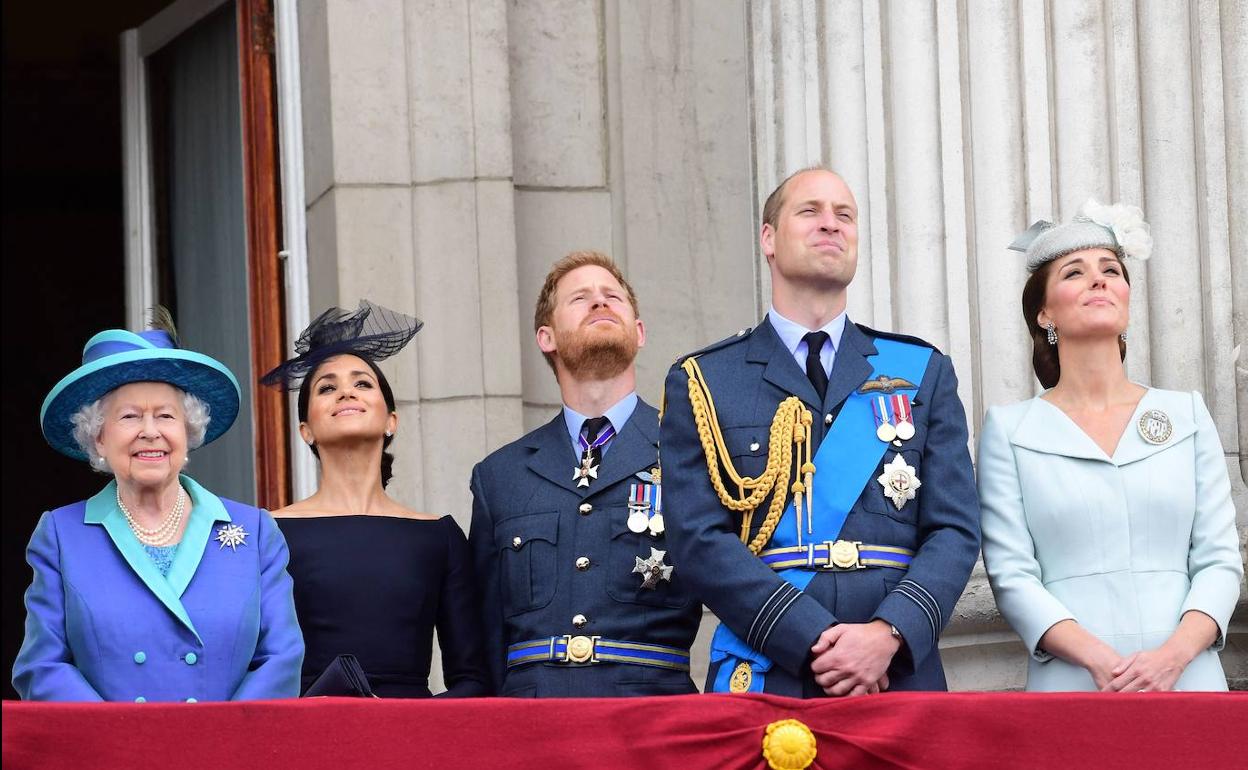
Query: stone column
x=408 y=155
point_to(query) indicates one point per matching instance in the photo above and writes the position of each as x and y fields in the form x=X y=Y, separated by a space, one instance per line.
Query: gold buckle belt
x=591 y=650
x=837 y=556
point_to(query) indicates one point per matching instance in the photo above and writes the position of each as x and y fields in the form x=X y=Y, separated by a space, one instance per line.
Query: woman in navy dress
x=373 y=578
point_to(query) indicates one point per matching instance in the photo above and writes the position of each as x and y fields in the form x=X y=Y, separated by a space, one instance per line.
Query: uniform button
x=140 y=699
x=582 y=563
x=827 y=419
x=516 y=541
x=579 y=620
x=191 y=658
x=140 y=657
x=191 y=700
x=586 y=508
x=753 y=446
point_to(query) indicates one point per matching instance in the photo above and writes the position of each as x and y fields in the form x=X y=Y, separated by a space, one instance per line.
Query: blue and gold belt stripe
x=588 y=650
x=839 y=555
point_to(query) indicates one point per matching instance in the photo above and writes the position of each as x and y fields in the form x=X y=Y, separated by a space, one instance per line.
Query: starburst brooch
x=232 y=535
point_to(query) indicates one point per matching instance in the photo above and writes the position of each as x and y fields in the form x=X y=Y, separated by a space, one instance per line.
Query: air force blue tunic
x=565 y=612
x=769 y=621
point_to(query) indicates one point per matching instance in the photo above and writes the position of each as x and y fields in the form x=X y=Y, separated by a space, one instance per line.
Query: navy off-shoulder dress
x=376 y=587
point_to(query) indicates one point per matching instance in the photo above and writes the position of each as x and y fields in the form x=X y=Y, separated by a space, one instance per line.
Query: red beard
x=593 y=353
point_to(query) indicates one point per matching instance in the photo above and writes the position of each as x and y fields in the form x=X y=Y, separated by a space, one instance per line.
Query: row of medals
x=645 y=514
x=899 y=479
x=641 y=499
x=898 y=429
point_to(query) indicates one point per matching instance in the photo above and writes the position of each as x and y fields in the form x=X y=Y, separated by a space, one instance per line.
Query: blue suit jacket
x=102 y=623
x=525 y=490
x=749 y=376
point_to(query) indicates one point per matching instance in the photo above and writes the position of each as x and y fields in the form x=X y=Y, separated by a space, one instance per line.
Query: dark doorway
x=63 y=236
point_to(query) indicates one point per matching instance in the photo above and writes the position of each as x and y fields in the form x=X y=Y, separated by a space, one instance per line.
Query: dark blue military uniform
x=749 y=376
x=556 y=567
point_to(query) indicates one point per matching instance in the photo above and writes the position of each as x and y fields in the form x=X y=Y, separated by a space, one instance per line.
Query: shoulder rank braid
x=788 y=446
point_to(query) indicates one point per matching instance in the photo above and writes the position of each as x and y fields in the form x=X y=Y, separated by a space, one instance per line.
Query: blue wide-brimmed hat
x=118 y=357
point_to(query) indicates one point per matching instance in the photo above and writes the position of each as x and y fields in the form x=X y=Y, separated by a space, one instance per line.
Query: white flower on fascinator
x=1126 y=223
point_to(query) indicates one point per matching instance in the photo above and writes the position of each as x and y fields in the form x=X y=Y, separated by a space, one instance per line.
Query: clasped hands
x=853 y=658
x=1144 y=671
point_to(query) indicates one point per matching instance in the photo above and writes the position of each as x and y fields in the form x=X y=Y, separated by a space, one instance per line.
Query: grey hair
x=89 y=420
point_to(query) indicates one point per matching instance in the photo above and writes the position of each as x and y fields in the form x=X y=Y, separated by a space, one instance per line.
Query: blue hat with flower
x=118 y=357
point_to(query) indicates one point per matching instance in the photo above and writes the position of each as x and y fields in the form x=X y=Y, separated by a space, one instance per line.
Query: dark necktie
x=814 y=367
x=597 y=432
x=594 y=425
x=593 y=428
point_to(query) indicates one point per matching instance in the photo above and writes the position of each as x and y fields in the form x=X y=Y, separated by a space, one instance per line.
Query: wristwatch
x=896 y=634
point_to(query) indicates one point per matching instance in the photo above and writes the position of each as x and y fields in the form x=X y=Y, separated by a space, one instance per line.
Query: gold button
x=827 y=419
x=753 y=446
x=586 y=508
x=579 y=620
x=516 y=541
x=582 y=563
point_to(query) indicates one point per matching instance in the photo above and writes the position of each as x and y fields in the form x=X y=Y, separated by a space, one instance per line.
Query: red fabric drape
x=894 y=730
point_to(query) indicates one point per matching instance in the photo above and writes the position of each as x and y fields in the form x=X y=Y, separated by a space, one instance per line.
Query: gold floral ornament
x=788 y=745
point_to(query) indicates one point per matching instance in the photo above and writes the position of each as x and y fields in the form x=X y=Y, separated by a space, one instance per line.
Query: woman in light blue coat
x=1109 y=531
x=154 y=589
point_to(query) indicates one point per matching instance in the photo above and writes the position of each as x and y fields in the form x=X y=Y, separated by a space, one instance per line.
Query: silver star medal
x=585 y=471
x=899 y=480
x=653 y=570
x=232 y=535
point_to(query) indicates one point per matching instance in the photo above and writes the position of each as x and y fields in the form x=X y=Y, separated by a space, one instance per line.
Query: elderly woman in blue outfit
x=154 y=589
x=1109 y=531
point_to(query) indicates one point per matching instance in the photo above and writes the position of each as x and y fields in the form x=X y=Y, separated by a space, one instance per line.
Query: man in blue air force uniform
x=580 y=594
x=840 y=523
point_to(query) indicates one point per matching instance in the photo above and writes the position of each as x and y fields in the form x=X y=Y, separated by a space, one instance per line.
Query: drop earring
x=1051 y=332
x=1123 y=336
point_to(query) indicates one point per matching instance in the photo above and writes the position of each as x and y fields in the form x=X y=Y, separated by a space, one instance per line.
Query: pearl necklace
x=162 y=535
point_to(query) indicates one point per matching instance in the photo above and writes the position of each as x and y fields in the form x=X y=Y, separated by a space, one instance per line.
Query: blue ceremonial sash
x=847 y=458
x=728 y=647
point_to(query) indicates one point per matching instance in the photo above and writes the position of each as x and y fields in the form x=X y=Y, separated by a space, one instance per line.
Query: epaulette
x=898 y=337
x=738 y=337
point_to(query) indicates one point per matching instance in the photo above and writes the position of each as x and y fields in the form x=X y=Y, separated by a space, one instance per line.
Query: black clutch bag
x=342 y=677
